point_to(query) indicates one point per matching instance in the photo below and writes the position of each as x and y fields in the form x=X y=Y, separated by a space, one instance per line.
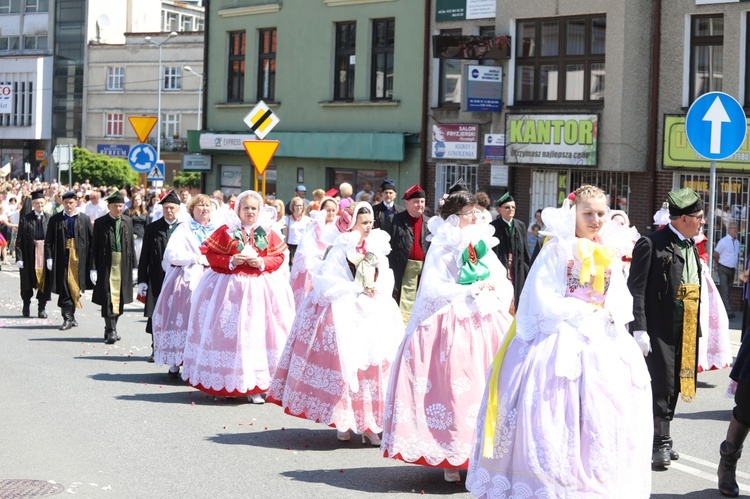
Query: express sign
x=6 y=99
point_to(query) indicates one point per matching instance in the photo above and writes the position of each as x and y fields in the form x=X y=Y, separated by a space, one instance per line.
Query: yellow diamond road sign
x=261 y=120
x=142 y=126
x=261 y=152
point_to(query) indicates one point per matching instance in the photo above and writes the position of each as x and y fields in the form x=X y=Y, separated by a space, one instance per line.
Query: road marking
x=709 y=464
x=702 y=474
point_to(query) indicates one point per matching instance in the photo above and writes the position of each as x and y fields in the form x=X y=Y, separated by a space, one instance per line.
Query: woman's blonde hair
x=318 y=194
x=346 y=190
x=587 y=191
x=199 y=199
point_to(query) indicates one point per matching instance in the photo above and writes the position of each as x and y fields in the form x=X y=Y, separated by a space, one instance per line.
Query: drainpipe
x=206 y=10
x=654 y=118
x=425 y=97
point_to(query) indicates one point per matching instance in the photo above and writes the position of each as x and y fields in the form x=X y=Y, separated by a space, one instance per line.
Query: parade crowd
x=547 y=362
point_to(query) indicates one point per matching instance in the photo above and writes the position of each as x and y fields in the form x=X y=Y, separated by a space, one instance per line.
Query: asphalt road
x=102 y=422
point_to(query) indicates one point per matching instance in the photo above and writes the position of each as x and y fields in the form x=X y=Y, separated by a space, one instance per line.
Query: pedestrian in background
x=513 y=250
x=387 y=207
x=727 y=255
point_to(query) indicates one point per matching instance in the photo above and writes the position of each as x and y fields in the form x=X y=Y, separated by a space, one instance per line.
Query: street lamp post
x=158 y=98
x=200 y=91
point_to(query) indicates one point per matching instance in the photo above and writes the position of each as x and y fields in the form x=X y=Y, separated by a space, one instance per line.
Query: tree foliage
x=187 y=179
x=101 y=170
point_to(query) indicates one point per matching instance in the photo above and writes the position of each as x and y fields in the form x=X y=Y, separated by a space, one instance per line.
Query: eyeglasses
x=702 y=216
x=509 y=207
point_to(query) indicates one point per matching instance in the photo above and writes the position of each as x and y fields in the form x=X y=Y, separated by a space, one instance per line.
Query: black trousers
x=664 y=406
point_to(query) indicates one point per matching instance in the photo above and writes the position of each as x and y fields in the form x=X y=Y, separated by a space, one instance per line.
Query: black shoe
x=42 y=314
x=660 y=458
x=674 y=455
x=117 y=336
x=74 y=322
x=173 y=375
x=110 y=337
x=26 y=310
x=731 y=315
x=67 y=324
x=151 y=357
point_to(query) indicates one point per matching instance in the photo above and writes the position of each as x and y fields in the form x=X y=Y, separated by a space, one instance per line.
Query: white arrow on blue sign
x=716 y=125
x=142 y=158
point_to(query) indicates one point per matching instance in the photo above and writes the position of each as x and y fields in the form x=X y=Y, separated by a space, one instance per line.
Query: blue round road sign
x=716 y=125
x=142 y=158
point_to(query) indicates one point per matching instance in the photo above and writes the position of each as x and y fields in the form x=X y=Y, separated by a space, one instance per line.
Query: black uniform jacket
x=101 y=249
x=516 y=245
x=150 y=270
x=25 y=248
x=402 y=239
x=54 y=248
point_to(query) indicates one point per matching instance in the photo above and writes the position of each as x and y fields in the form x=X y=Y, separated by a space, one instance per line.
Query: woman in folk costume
x=335 y=367
x=318 y=236
x=458 y=322
x=184 y=264
x=243 y=307
x=567 y=411
x=714 y=346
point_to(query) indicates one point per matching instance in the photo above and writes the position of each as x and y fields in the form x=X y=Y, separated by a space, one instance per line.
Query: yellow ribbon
x=490 y=418
x=595 y=259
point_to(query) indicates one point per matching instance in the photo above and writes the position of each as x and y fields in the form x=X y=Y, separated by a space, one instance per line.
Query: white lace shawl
x=354 y=312
x=439 y=287
x=183 y=250
x=314 y=242
x=543 y=303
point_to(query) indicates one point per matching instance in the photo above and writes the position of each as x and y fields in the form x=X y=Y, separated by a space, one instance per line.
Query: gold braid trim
x=689 y=294
x=221 y=242
x=275 y=245
x=72 y=275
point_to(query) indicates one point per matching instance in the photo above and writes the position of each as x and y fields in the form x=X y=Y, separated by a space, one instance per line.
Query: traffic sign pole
x=711 y=218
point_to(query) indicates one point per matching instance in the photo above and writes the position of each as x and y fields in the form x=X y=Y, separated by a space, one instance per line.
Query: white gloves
x=19 y=264
x=49 y=263
x=135 y=275
x=644 y=342
x=92 y=276
x=202 y=260
x=142 y=288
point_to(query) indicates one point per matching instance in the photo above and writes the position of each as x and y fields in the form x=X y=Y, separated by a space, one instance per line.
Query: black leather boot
x=673 y=454
x=67 y=319
x=42 y=312
x=27 y=308
x=110 y=335
x=660 y=457
x=731 y=450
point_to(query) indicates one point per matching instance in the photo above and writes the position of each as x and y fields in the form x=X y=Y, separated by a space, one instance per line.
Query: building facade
x=344 y=77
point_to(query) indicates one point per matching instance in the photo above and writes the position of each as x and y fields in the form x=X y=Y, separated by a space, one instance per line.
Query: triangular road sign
x=142 y=126
x=261 y=152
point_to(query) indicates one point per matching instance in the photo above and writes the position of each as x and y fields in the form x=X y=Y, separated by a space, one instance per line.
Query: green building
x=344 y=77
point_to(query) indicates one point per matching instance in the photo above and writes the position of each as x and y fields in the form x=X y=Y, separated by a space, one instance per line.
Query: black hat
x=505 y=198
x=37 y=194
x=458 y=186
x=115 y=197
x=388 y=185
x=171 y=197
x=69 y=195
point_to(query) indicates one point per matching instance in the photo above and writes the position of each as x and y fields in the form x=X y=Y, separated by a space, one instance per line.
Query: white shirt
x=729 y=251
x=94 y=211
x=295 y=229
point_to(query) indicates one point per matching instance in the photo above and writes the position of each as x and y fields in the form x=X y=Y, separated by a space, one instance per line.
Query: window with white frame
x=199 y=24
x=449 y=70
x=8 y=43
x=706 y=54
x=171 y=21
x=449 y=173
x=34 y=42
x=172 y=78
x=37 y=6
x=113 y=125
x=10 y=6
x=170 y=126
x=187 y=23
x=115 y=77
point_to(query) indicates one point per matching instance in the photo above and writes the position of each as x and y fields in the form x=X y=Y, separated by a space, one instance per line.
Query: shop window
x=236 y=73
x=343 y=78
x=732 y=200
x=383 y=43
x=560 y=61
x=267 y=65
x=357 y=179
x=706 y=54
x=616 y=186
x=449 y=92
x=449 y=173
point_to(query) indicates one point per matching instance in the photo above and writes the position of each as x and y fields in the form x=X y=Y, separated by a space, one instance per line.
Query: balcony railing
x=170 y=144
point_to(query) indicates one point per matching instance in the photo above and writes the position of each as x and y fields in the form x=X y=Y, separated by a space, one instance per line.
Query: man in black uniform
x=32 y=228
x=150 y=272
x=67 y=249
x=513 y=250
x=665 y=283
x=114 y=264
x=387 y=206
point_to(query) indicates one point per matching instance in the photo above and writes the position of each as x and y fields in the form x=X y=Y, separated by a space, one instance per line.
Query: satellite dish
x=103 y=21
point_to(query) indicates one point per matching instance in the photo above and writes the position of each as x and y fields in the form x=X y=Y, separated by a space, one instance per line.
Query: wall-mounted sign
x=470 y=47
x=454 y=141
x=6 y=99
x=499 y=175
x=551 y=139
x=225 y=141
x=113 y=150
x=458 y=10
x=196 y=163
x=706 y=2
x=494 y=147
x=484 y=89
x=679 y=154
